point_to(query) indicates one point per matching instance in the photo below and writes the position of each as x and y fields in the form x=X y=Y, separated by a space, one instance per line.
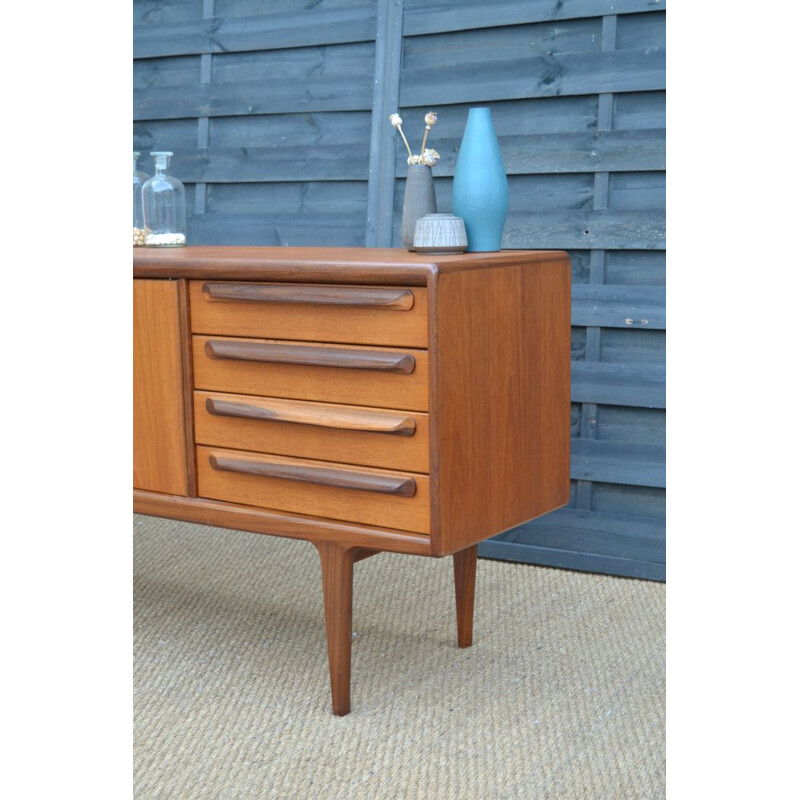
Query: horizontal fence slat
x=586 y=151
x=268 y=164
x=618 y=462
x=630 y=536
x=638 y=385
x=568 y=559
x=619 y=306
x=424 y=18
x=277 y=230
x=244 y=34
x=351 y=161
x=569 y=228
x=547 y=76
x=268 y=96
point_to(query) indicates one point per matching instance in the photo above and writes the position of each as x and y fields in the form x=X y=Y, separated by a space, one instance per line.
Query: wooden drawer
x=366 y=376
x=348 y=434
x=381 y=315
x=389 y=499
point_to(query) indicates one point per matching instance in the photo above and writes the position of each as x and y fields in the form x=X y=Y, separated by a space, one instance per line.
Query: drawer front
x=388 y=499
x=366 y=376
x=379 y=315
x=347 y=434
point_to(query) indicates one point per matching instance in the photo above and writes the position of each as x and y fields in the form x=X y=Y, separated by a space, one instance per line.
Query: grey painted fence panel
x=628 y=545
x=605 y=534
x=279 y=230
x=632 y=346
x=302 y=198
x=576 y=73
x=276 y=111
x=423 y=17
x=388 y=53
x=530 y=552
x=177 y=135
x=639 y=501
x=340 y=162
x=619 y=307
x=157 y=12
x=354 y=60
x=431 y=54
x=585 y=151
x=630 y=424
x=309 y=130
x=619 y=384
x=618 y=462
x=596 y=229
x=635 y=268
x=153 y=74
x=263 y=96
x=639 y=110
x=567 y=228
x=240 y=34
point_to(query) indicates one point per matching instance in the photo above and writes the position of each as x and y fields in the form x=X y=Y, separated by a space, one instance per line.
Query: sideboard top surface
x=330 y=264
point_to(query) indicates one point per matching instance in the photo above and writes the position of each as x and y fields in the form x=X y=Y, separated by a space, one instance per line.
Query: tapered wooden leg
x=337 y=590
x=465 y=565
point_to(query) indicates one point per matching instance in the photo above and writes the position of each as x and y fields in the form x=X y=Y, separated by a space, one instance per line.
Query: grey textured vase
x=419 y=200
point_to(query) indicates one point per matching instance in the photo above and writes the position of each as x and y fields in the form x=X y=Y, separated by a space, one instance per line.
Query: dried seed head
x=430 y=119
x=396 y=120
x=430 y=157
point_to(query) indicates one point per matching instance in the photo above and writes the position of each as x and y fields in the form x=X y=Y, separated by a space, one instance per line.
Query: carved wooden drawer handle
x=390 y=299
x=312 y=356
x=323 y=417
x=325 y=476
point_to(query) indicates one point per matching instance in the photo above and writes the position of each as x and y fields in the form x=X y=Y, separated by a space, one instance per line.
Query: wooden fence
x=278 y=116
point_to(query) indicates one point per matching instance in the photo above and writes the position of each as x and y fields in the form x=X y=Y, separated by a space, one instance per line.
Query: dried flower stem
x=424 y=139
x=405 y=140
x=397 y=122
x=430 y=121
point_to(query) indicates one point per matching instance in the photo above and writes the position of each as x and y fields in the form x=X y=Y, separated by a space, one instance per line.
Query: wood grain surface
x=159 y=424
x=465 y=564
x=187 y=373
x=325 y=384
x=500 y=399
x=338 y=476
x=278 y=523
x=310 y=355
x=394 y=316
x=353 y=505
x=337 y=591
x=396 y=299
x=354 y=265
x=347 y=434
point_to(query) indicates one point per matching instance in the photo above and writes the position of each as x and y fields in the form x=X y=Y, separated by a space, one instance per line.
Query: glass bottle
x=139 y=179
x=164 y=206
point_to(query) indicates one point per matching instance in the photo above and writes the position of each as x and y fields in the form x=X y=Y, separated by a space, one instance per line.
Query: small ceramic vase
x=440 y=233
x=419 y=199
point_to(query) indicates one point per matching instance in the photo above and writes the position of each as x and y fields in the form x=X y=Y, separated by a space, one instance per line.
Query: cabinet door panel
x=159 y=438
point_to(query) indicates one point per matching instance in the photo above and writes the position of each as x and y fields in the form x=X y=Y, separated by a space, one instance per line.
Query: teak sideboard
x=365 y=400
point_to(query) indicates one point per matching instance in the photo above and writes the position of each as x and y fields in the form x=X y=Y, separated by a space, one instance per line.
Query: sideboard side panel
x=159 y=422
x=500 y=398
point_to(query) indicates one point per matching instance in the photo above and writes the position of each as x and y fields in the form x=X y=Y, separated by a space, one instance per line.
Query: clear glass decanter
x=139 y=179
x=164 y=206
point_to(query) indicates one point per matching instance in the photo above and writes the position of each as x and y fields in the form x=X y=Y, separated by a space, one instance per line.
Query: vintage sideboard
x=365 y=400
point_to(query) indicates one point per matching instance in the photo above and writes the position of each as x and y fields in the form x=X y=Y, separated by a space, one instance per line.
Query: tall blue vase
x=480 y=186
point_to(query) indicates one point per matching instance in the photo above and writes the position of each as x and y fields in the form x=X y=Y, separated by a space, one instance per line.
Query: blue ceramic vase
x=480 y=186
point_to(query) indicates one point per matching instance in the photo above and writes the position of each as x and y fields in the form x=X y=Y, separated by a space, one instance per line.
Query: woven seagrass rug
x=561 y=696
